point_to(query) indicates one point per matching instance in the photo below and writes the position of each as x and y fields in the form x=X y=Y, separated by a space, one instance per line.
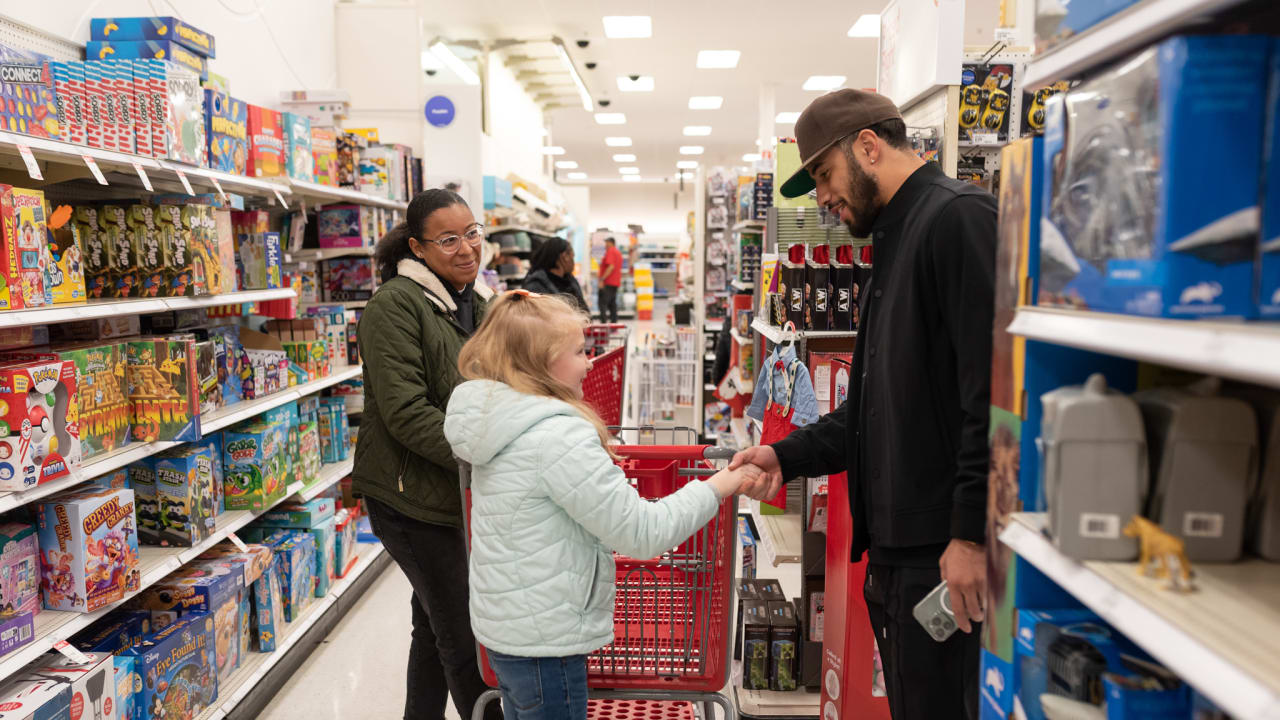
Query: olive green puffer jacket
x=409 y=341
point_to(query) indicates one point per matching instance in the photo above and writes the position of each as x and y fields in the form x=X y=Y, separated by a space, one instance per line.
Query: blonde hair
x=522 y=333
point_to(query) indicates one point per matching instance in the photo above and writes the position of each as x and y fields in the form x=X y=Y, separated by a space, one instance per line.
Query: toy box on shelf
x=346 y=551
x=19 y=585
x=297 y=132
x=347 y=279
x=92 y=684
x=24 y=261
x=203 y=592
x=153 y=28
x=334 y=445
x=228 y=131
x=68 y=86
x=342 y=226
x=65 y=277
x=316 y=517
x=259 y=260
x=144 y=234
x=164 y=399
x=103 y=393
x=253 y=466
x=349 y=147
x=41 y=439
x=176 y=55
x=176 y=496
x=266 y=142
x=29 y=104
x=324 y=154
x=178 y=663
x=178 y=245
x=89 y=548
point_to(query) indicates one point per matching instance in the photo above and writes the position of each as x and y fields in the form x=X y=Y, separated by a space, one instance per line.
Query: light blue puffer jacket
x=548 y=505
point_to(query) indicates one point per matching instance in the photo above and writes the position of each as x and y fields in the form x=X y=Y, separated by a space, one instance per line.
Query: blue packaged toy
x=184 y=496
x=153 y=28
x=205 y=590
x=295 y=565
x=28 y=103
x=317 y=518
x=297 y=134
x=268 y=608
x=123 y=632
x=227 y=132
x=148 y=50
x=1269 y=260
x=1143 y=213
x=298 y=515
x=126 y=679
x=177 y=670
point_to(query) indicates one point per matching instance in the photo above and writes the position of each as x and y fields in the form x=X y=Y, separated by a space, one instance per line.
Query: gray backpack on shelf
x=1262 y=531
x=1093 y=463
x=1204 y=452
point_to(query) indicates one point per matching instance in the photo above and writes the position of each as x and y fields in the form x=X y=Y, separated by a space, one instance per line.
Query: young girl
x=548 y=504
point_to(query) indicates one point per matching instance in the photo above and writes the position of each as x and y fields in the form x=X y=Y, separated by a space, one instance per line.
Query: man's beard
x=864 y=207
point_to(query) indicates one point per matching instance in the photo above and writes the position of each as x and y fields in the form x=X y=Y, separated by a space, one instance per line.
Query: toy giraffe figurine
x=1160 y=554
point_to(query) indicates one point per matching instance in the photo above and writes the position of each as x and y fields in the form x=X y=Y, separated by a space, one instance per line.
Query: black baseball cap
x=830 y=119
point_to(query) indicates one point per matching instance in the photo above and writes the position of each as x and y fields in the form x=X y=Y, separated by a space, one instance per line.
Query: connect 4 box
x=28 y=103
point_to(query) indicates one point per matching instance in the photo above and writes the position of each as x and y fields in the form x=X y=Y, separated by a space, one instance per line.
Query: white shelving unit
x=776 y=334
x=141 y=306
x=329 y=194
x=318 y=254
x=245 y=409
x=1222 y=638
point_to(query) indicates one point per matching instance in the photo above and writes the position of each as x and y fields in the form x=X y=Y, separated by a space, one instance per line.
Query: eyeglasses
x=451 y=244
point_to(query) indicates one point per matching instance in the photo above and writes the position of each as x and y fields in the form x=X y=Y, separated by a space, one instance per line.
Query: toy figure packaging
x=206 y=594
x=266 y=142
x=227 y=131
x=68 y=86
x=180 y=230
x=344 y=226
x=28 y=104
x=153 y=28
x=297 y=132
x=65 y=280
x=784 y=641
x=40 y=425
x=164 y=400
x=177 y=668
x=92 y=684
x=184 y=117
x=345 y=279
x=19 y=570
x=324 y=154
x=25 y=258
x=35 y=699
x=116 y=238
x=253 y=466
x=103 y=393
x=89 y=549
x=1150 y=237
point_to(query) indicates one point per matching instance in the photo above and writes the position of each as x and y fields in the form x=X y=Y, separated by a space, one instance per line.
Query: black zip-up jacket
x=913 y=432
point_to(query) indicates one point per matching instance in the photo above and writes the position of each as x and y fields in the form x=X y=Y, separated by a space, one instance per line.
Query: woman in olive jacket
x=410 y=334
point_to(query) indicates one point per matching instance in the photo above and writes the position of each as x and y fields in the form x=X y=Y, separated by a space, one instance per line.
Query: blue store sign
x=440 y=111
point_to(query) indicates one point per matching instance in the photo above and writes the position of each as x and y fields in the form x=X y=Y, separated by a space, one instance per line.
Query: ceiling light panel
x=627 y=27
x=687 y=164
x=618 y=141
x=631 y=178
x=705 y=102
x=624 y=157
x=867 y=26
x=787 y=118
x=577 y=176
x=553 y=150
x=823 y=83
x=697 y=130
x=718 y=59
x=691 y=149
x=643 y=83
x=566 y=165
x=751 y=157
x=629 y=170
x=611 y=118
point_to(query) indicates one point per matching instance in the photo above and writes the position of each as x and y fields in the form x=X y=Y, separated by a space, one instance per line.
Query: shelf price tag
x=142 y=175
x=186 y=184
x=73 y=654
x=986 y=139
x=218 y=186
x=235 y=540
x=33 y=167
x=93 y=168
x=279 y=197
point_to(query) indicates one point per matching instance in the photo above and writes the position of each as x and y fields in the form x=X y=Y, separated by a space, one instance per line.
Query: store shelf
x=348 y=304
x=771 y=704
x=329 y=476
x=749 y=225
x=318 y=254
x=738 y=338
x=255 y=667
x=112 y=308
x=1244 y=351
x=155 y=563
x=204 y=179
x=776 y=334
x=56 y=151
x=331 y=194
x=781 y=536
x=1220 y=638
x=99 y=465
x=1118 y=36
x=491 y=231
x=245 y=409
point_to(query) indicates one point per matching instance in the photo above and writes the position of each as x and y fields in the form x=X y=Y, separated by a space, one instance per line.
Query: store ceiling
x=782 y=44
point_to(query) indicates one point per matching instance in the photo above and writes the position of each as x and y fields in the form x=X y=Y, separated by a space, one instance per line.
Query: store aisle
x=359 y=671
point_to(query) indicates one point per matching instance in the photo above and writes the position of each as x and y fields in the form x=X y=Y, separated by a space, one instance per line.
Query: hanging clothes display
x=789 y=402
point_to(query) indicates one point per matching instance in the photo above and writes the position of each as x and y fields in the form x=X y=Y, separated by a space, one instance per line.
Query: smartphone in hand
x=935 y=615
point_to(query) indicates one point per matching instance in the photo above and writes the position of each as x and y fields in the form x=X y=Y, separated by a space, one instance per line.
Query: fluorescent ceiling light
x=691 y=150
x=824 y=83
x=643 y=83
x=566 y=164
x=455 y=63
x=629 y=170
x=624 y=157
x=573 y=72
x=543 y=132
x=718 y=59
x=631 y=178
x=622 y=27
x=705 y=102
x=687 y=164
x=577 y=176
x=430 y=61
x=868 y=26
x=786 y=118
x=751 y=157
x=697 y=130
x=618 y=141
x=553 y=150
x=685 y=175
x=611 y=118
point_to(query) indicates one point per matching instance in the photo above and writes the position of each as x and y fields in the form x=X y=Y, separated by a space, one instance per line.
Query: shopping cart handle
x=719 y=453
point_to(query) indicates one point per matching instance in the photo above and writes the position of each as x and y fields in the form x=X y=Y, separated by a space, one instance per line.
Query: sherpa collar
x=433 y=287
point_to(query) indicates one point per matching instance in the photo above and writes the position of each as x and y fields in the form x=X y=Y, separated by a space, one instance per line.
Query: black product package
x=818 y=279
x=756 y=638
x=784 y=647
x=843 y=300
x=794 y=293
x=746 y=593
x=770 y=590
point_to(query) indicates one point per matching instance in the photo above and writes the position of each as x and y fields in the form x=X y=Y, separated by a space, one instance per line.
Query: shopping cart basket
x=672 y=639
x=603 y=386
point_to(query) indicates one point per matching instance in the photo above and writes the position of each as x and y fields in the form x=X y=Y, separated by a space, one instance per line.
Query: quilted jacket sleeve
x=581 y=478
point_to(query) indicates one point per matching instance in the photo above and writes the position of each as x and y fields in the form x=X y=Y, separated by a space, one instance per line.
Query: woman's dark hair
x=394 y=246
x=548 y=253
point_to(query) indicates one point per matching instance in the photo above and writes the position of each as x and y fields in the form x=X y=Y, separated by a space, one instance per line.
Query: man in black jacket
x=913 y=433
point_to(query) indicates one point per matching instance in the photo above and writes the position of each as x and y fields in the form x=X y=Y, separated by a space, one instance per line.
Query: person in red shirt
x=610 y=281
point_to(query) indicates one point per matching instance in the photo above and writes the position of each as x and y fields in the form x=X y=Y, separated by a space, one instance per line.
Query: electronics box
x=1149 y=236
x=89 y=548
x=784 y=647
x=153 y=28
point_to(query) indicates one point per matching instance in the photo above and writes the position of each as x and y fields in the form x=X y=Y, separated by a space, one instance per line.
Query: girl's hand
x=726 y=482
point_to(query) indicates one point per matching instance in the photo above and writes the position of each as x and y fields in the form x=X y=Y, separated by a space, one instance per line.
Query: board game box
x=39 y=423
x=184 y=117
x=324 y=154
x=149 y=50
x=297 y=130
x=153 y=28
x=25 y=257
x=68 y=86
x=266 y=142
x=227 y=131
x=164 y=399
x=89 y=548
x=144 y=236
x=117 y=237
x=65 y=281
x=103 y=394
x=28 y=103
x=180 y=679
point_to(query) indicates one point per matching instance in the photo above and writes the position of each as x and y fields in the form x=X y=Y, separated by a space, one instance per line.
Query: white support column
x=768 y=110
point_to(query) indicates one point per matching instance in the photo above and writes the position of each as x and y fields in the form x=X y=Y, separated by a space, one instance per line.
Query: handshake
x=754 y=472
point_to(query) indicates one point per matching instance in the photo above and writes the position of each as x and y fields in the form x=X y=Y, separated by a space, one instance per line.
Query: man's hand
x=766 y=486
x=964 y=567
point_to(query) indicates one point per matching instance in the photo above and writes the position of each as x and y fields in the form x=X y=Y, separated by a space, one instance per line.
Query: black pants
x=608 y=297
x=926 y=679
x=442 y=654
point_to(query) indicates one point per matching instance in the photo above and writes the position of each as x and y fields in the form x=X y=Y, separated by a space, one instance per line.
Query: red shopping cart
x=672 y=640
x=603 y=386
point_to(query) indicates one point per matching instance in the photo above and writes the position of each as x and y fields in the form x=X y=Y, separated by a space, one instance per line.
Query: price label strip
x=93 y=168
x=186 y=184
x=73 y=654
x=33 y=167
x=235 y=540
x=218 y=186
x=279 y=197
x=142 y=175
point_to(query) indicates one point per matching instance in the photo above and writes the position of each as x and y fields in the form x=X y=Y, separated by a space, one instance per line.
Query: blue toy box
x=215 y=595
x=1269 y=260
x=148 y=50
x=186 y=495
x=153 y=28
x=126 y=679
x=297 y=136
x=295 y=558
x=177 y=670
x=1071 y=18
x=126 y=630
x=1144 y=214
x=227 y=128
x=298 y=515
x=268 y=608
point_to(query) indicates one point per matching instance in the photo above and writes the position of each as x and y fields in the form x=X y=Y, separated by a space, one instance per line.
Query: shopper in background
x=548 y=503
x=551 y=272
x=410 y=335
x=913 y=433
x=610 y=281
